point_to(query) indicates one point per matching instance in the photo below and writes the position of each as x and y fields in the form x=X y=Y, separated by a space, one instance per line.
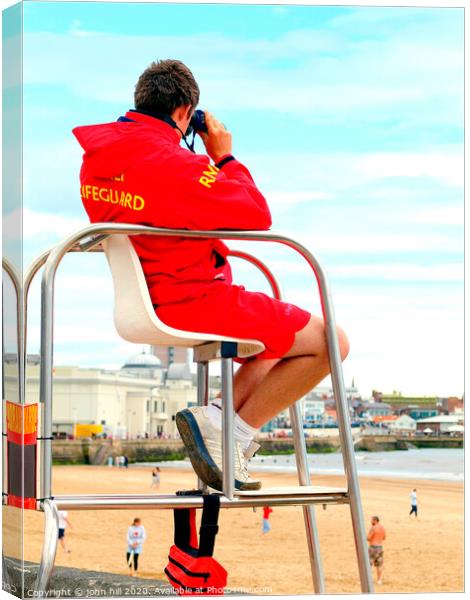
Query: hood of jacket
x=112 y=148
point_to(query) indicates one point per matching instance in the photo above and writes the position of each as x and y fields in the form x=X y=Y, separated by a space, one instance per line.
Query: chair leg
x=202 y=400
x=49 y=547
x=227 y=428
x=309 y=511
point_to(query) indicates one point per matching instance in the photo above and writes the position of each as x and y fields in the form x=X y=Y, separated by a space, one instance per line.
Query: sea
x=446 y=464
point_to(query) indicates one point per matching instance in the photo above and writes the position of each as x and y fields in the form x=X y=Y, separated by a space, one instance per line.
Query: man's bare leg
x=379 y=575
x=248 y=377
x=262 y=389
x=277 y=387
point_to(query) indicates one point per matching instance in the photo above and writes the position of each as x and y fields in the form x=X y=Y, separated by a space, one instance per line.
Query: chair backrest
x=134 y=315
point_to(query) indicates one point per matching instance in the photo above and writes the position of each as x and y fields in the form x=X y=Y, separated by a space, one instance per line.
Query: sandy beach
x=421 y=555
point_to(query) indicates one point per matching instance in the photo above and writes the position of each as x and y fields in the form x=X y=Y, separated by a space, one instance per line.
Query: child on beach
x=156 y=477
x=414 y=503
x=63 y=522
x=266 y=527
x=136 y=536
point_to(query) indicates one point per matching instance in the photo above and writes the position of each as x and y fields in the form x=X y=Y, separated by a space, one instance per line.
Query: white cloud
x=329 y=78
x=335 y=172
x=441 y=215
x=446 y=167
x=401 y=272
x=379 y=271
x=51 y=226
x=276 y=198
x=354 y=243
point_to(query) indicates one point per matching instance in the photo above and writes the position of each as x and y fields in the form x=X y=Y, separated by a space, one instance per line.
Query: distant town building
x=402 y=424
x=423 y=412
x=440 y=424
x=377 y=409
x=140 y=399
x=451 y=405
x=144 y=365
x=397 y=399
x=331 y=415
x=313 y=405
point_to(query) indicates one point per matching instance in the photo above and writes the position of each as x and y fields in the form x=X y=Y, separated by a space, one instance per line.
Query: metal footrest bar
x=299 y=497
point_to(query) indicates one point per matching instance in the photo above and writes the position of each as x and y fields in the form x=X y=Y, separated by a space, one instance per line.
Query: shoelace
x=242 y=462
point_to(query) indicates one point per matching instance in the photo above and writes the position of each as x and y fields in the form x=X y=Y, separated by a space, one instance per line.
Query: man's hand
x=218 y=141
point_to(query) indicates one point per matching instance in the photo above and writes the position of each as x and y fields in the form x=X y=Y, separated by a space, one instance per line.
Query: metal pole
x=45 y=383
x=202 y=383
x=14 y=276
x=227 y=428
x=301 y=459
x=49 y=547
x=347 y=445
x=311 y=530
x=202 y=399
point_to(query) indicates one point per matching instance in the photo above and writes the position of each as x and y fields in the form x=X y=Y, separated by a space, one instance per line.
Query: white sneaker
x=203 y=442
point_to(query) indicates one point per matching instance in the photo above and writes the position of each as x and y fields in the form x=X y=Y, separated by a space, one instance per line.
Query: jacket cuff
x=224 y=160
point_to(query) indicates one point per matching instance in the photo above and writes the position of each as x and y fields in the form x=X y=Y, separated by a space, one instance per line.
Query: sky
x=350 y=120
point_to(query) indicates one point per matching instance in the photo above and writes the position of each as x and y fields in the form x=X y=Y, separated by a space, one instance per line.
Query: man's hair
x=375 y=518
x=137 y=520
x=164 y=86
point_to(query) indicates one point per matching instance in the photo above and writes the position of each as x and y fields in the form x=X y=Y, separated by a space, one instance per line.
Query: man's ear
x=182 y=113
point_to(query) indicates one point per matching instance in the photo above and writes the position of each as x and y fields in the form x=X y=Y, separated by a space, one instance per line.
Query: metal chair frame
x=89 y=239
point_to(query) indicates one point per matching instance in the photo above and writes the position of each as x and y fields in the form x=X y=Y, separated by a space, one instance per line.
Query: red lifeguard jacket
x=134 y=171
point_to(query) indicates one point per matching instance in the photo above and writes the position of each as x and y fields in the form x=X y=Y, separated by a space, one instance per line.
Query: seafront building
x=138 y=400
x=441 y=424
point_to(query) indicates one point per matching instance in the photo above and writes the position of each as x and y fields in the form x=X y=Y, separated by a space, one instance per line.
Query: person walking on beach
x=156 y=477
x=376 y=537
x=266 y=527
x=136 y=536
x=414 y=503
x=63 y=522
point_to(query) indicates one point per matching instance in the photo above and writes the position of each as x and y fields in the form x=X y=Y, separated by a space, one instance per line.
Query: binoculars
x=197 y=123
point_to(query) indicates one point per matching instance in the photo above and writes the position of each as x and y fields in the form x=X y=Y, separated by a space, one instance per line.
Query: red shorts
x=233 y=311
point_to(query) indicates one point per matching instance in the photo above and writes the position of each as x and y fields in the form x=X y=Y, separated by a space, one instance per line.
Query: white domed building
x=144 y=365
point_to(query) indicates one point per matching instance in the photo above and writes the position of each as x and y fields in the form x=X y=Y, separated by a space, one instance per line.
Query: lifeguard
x=190 y=280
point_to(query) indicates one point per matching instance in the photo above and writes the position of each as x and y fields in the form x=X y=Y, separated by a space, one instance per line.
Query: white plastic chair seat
x=134 y=315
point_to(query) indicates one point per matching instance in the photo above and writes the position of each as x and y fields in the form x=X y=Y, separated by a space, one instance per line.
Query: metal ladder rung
x=296 y=490
x=294 y=496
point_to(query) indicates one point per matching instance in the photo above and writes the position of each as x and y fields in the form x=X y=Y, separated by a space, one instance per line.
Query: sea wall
x=96 y=452
x=381 y=443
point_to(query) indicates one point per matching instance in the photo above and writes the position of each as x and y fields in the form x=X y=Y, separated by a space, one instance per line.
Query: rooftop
x=142 y=360
x=443 y=419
